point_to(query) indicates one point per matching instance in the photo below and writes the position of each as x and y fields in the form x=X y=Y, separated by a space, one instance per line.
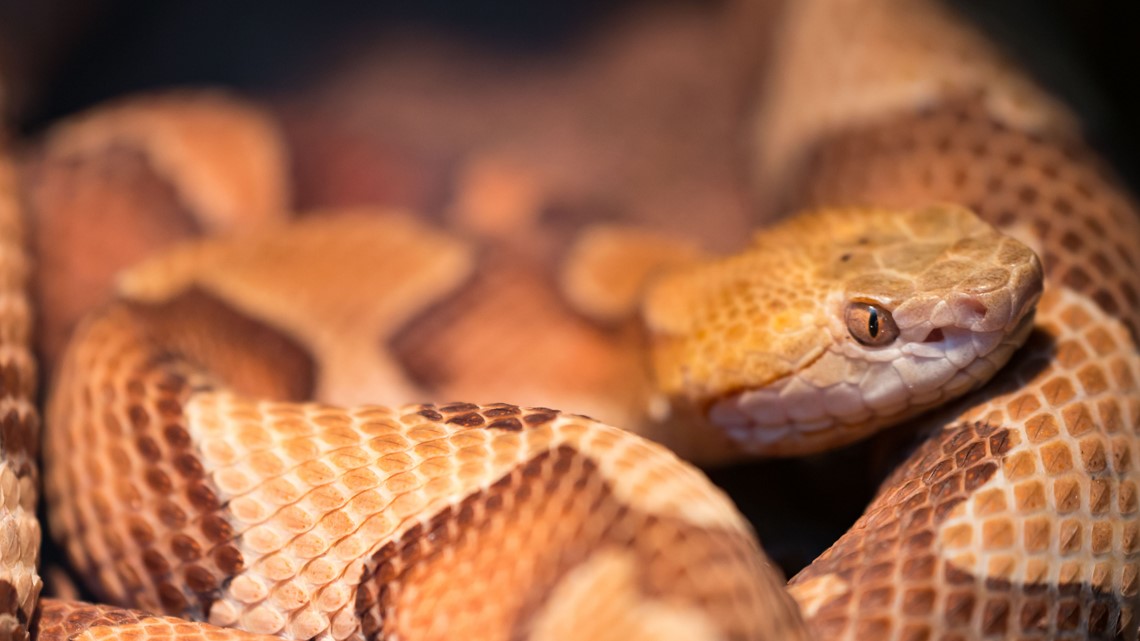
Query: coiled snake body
x=187 y=474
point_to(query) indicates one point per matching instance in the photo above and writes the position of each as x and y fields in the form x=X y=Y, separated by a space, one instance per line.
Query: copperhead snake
x=175 y=487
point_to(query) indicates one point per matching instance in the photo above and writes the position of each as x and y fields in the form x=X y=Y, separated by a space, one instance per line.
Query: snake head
x=839 y=322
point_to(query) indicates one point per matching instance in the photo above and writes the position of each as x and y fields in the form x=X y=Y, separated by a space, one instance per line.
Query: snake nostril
x=977 y=308
x=934 y=336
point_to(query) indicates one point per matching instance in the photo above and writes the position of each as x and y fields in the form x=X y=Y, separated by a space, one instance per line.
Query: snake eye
x=871 y=325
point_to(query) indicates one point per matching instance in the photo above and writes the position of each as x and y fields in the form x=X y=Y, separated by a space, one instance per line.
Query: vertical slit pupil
x=873 y=323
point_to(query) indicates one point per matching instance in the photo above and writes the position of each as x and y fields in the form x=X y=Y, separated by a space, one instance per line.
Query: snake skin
x=74 y=621
x=309 y=521
x=19 y=422
x=1018 y=517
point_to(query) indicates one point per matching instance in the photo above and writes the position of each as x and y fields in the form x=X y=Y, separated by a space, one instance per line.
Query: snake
x=211 y=454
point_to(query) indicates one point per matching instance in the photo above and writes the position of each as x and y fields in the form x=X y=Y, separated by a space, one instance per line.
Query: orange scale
x=349 y=458
x=1070 y=538
x=1130 y=538
x=278 y=491
x=1093 y=454
x=1030 y=496
x=345 y=624
x=436 y=466
x=294 y=520
x=360 y=479
x=289 y=596
x=1102 y=576
x=324 y=498
x=1037 y=570
x=252 y=436
x=1122 y=374
x=127 y=494
x=278 y=567
x=389 y=443
x=1071 y=572
x=248 y=589
x=990 y=502
x=1037 y=534
x=242 y=415
x=309 y=545
x=1078 y=419
x=262 y=620
x=263 y=539
x=474 y=452
x=469 y=437
x=1057 y=458
x=373 y=413
x=315 y=472
x=958 y=536
x=403 y=482
x=430 y=432
x=395 y=462
x=233 y=481
x=1102 y=538
x=333 y=597
x=320 y=571
x=290 y=427
x=433 y=449
x=1112 y=420
x=407 y=505
x=300 y=449
x=442 y=486
x=350 y=548
x=337 y=436
x=285 y=411
x=1126 y=499
x=368 y=502
x=337 y=524
x=331 y=418
x=247 y=509
x=1092 y=378
x=306 y=625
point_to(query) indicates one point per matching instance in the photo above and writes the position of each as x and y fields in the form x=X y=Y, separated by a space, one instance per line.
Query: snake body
x=188 y=473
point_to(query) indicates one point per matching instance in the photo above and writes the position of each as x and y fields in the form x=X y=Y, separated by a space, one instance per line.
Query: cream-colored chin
x=837 y=400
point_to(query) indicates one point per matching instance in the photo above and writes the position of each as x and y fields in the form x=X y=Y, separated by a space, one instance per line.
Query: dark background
x=66 y=55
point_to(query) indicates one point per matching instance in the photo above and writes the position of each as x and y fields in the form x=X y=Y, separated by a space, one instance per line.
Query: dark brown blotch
x=229 y=560
x=471 y=419
x=452 y=408
x=430 y=415
x=509 y=424
x=499 y=410
x=540 y=418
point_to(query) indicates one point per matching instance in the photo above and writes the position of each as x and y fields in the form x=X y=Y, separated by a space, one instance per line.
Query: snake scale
x=187 y=471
